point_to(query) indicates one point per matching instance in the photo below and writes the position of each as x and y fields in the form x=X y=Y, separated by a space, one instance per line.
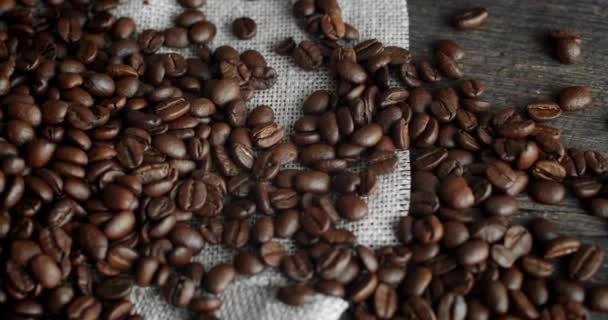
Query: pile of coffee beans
x=119 y=164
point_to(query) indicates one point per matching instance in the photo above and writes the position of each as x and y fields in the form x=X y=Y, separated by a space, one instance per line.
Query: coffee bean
x=219 y=278
x=178 y=291
x=585 y=262
x=456 y=193
x=114 y=288
x=271 y=253
x=84 y=307
x=295 y=295
x=385 y=301
x=297 y=267
x=547 y=192
x=244 y=28
x=597 y=299
x=471 y=19
x=308 y=55
x=351 y=207
x=448 y=66
x=176 y=37
x=567 y=46
x=314 y=221
x=501 y=205
x=285 y=47
x=575 y=99
x=544 y=111
x=417 y=307
x=248 y=264
x=450 y=49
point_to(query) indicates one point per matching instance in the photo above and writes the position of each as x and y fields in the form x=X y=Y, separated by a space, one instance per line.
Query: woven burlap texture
x=253 y=298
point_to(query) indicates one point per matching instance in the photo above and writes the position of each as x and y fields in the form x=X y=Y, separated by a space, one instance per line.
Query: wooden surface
x=510 y=54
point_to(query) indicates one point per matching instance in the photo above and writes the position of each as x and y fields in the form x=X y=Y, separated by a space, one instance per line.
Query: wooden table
x=511 y=55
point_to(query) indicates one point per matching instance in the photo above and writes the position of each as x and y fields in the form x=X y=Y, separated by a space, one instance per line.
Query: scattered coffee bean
x=567 y=46
x=244 y=28
x=471 y=19
x=574 y=99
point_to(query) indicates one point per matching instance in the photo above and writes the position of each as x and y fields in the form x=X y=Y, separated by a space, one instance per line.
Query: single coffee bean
x=560 y=247
x=547 y=191
x=178 y=291
x=244 y=28
x=297 y=267
x=176 y=37
x=451 y=49
x=418 y=308
x=295 y=295
x=575 y=99
x=248 y=264
x=537 y=267
x=285 y=47
x=308 y=55
x=568 y=290
x=543 y=111
x=496 y=297
x=114 y=288
x=598 y=299
x=385 y=301
x=314 y=221
x=271 y=253
x=501 y=205
x=455 y=191
x=84 y=307
x=585 y=262
x=567 y=46
x=351 y=207
x=471 y=19
x=471 y=88
x=219 y=278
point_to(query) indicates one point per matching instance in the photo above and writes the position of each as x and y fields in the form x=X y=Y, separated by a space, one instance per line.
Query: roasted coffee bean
x=448 y=66
x=248 y=264
x=547 y=191
x=599 y=207
x=537 y=267
x=575 y=99
x=244 y=28
x=549 y=170
x=455 y=191
x=114 y=288
x=585 y=262
x=219 y=278
x=567 y=46
x=351 y=207
x=543 y=111
x=295 y=295
x=236 y=233
x=450 y=49
x=428 y=72
x=84 y=307
x=297 y=267
x=308 y=55
x=501 y=205
x=597 y=299
x=271 y=253
x=428 y=229
x=178 y=291
x=471 y=19
x=596 y=162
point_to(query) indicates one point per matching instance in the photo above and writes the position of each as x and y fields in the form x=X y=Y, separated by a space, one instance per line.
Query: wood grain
x=511 y=55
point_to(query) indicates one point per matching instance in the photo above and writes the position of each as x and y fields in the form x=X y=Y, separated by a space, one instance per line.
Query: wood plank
x=511 y=55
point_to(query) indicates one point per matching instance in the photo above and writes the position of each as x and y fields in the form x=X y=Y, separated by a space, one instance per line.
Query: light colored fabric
x=252 y=298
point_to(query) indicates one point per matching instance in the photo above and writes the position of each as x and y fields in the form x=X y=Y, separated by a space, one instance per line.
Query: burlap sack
x=252 y=298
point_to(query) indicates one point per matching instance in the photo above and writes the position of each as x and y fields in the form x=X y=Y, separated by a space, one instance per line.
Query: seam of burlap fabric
x=387 y=20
